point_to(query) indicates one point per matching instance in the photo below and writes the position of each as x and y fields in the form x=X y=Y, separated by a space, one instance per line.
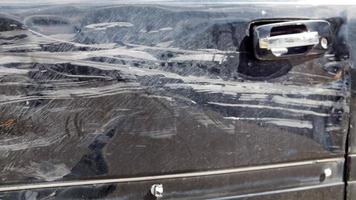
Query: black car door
x=173 y=100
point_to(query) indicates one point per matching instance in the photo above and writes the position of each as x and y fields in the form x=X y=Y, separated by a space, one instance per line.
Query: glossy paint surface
x=115 y=91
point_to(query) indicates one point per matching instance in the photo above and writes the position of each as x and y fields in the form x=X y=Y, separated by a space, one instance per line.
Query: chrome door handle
x=294 y=38
x=279 y=44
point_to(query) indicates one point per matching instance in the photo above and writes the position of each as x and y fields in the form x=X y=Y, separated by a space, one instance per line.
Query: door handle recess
x=289 y=39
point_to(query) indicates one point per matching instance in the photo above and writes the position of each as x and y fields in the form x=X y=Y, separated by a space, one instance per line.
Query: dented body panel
x=123 y=91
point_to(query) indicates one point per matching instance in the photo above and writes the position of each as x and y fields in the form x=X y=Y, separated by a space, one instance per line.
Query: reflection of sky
x=312 y=2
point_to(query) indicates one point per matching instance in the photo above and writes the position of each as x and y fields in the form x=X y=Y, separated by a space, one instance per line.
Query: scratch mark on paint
x=308 y=112
x=279 y=121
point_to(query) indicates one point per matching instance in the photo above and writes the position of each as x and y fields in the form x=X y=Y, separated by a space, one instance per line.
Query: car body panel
x=113 y=91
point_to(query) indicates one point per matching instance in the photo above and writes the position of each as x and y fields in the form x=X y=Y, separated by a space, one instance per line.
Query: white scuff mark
x=104 y=53
x=28 y=46
x=207 y=121
x=178 y=50
x=209 y=57
x=91 y=92
x=121 y=52
x=45 y=56
x=152 y=31
x=233 y=88
x=46 y=170
x=279 y=122
x=297 y=111
x=166 y=29
x=301 y=102
x=8 y=71
x=291 y=123
x=198 y=83
x=160 y=134
x=164 y=44
x=19 y=143
x=102 y=46
x=29 y=59
x=14 y=59
x=185 y=99
x=159 y=97
x=94 y=92
x=253 y=97
x=106 y=25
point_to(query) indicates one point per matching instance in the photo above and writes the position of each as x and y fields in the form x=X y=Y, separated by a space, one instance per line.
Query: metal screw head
x=157 y=190
x=328 y=172
x=324 y=43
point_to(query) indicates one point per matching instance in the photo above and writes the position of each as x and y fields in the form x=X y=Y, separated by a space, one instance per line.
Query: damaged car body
x=177 y=100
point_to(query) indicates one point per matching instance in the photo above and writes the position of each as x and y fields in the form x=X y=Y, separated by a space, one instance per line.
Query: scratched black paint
x=179 y=91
